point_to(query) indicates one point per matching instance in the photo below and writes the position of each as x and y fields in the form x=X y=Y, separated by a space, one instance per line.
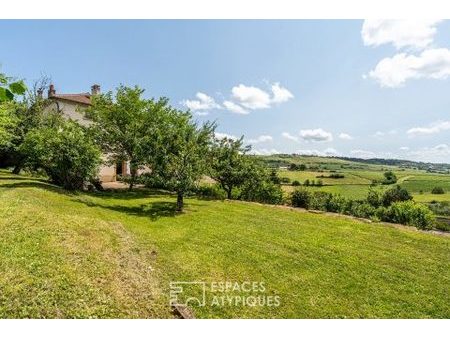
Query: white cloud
x=201 y=113
x=234 y=108
x=288 y=136
x=434 y=128
x=362 y=153
x=315 y=152
x=439 y=153
x=254 y=98
x=401 y=33
x=264 y=151
x=203 y=102
x=280 y=94
x=395 y=71
x=404 y=148
x=316 y=135
x=251 y=97
x=225 y=135
x=261 y=139
x=345 y=136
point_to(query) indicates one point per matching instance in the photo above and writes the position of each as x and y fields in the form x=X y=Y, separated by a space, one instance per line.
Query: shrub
x=300 y=198
x=264 y=192
x=65 y=152
x=319 y=183
x=440 y=208
x=411 y=213
x=389 y=178
x=442 y=225
x=438 y=191
x=320 y=200
x=285 y=180
x=295 y=183
x=306 y=183
x=211 y=192
x=374 y=198
x=362 y=209
x=395 y=194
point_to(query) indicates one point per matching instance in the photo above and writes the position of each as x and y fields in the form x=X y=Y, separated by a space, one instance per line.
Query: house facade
x=71 y=106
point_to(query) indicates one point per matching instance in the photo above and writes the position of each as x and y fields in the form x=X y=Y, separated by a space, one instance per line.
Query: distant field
x=114 y=254
x=358 y=178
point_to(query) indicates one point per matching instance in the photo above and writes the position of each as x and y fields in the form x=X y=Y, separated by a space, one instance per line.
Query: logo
x=221 y=293
x=188 y=293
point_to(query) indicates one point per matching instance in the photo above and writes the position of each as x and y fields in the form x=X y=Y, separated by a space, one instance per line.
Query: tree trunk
x=229 y=193
x=133 y=174
x=180 y=201
x=17 y=169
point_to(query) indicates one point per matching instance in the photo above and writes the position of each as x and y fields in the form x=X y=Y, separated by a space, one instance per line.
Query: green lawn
x=114 y=255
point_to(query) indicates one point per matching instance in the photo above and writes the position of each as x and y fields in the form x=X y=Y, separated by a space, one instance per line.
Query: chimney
x=40 y=92
x=51 y=90
x=95 y=89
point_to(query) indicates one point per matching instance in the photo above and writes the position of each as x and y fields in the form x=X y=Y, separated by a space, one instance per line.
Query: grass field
x=356 y=182
x=114 y=255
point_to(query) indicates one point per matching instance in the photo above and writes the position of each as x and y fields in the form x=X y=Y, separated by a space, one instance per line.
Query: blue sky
x=352 y=88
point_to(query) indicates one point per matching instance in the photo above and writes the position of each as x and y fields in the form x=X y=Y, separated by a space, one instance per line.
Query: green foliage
x=300 y=198
x=8 y=124
x=395 y=194
x=229 y=165
x=285 y=180
x=374 y=197
x=9 y=88
x=410 y=213
x=389 y=178
x=296 y=183
x=265 y=191
x=128 y=127
x=213 y=191
x=294 y=167
x=182 y=157
x=438 y=191
x=306 y=183
x=64 y=152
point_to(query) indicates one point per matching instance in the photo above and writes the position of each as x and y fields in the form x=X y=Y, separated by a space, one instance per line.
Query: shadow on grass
x=36 y=183
x=152 y=210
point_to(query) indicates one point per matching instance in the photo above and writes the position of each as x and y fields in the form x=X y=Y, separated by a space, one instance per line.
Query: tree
x=395 y=194
x=258 y=186
x=30 y=115
x=181 y=159
x=229 y=165
x=9 y=88
x=389 y=178
x=8 y=123
x=123 y=123
x=64 y=151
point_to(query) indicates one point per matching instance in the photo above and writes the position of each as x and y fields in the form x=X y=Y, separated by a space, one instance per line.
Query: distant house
x=71 y=106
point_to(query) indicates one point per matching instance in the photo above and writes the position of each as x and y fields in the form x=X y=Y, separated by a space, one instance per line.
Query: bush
x=306 y=183
x=395 y=194
x=320 y=200
x=211 y=192
x=300 y=198
x=319 y=183
x=362 y=209
x=374 y=198
x=442 y=225
x=65 y=152
x=389 y=178
x=438 y=191
x=264 y=192
x=295 y=183
x=285 y=180
x=411 y=213
x=440 y=208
